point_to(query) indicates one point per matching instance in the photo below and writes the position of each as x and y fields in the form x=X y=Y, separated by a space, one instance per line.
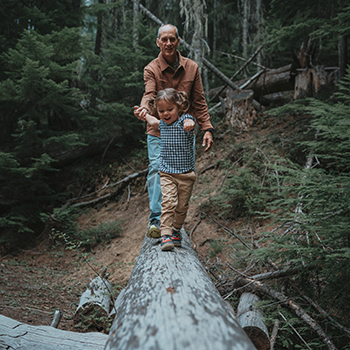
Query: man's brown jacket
x=159 y=75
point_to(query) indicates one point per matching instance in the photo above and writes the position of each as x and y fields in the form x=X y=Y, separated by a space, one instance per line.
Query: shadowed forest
x=270 y=212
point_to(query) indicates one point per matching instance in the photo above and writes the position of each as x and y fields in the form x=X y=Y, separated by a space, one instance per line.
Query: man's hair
x=168 y=24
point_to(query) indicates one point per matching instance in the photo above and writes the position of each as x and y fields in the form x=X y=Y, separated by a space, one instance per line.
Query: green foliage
x=104 y=232
x=313 y=206
x=216 y=247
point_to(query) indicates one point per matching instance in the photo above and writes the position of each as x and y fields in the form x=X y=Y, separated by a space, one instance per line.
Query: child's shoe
x=167 y=243
x=176 y=237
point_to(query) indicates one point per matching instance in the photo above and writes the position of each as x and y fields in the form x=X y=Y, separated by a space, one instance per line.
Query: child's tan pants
x=176 y=192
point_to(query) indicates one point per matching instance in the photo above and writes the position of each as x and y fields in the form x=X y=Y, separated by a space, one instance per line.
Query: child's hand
x=140 y=113
x=189 y=124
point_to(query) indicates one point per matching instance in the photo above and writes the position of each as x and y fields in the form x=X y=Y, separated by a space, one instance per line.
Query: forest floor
x=36 y=282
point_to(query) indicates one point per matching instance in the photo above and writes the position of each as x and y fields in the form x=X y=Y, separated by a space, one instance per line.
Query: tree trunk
x=136 y=4
x=171 y=303
x=17 y=335
x=245 y=28
x=250 y=318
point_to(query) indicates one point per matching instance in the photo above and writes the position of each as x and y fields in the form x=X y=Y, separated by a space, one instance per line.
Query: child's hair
x=171 y=95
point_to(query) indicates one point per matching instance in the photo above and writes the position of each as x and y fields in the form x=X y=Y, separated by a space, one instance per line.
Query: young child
x=177 y=172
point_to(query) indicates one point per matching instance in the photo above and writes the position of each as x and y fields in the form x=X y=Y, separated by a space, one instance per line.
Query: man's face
x=168 y=43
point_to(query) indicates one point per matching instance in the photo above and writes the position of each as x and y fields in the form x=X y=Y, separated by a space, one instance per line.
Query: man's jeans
x=153 y=179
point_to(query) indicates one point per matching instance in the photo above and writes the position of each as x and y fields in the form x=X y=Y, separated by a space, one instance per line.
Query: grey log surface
x=15 y=335
x=250 y=318
x=95 y=301
x=171 y=303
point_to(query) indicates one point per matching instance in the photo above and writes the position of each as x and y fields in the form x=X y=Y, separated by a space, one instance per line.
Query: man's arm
x=201 y=112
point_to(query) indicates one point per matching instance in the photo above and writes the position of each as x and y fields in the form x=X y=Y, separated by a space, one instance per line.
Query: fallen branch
x=229 y=231
x=274 y=334
x=239 y=71
x=195 y=226
x=295 y=331
x=124 y=183
x=253 y=285
x=321 y=311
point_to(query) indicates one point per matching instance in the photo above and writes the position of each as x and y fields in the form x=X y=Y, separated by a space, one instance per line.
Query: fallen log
x=250 y=318
x=95 y=303
x=171 y=303
x=271 y=81
x=16 y=335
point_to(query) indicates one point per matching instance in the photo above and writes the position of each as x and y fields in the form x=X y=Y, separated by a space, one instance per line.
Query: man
x=170 y=70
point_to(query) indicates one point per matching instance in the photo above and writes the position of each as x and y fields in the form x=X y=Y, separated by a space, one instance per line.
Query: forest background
x=71 y=72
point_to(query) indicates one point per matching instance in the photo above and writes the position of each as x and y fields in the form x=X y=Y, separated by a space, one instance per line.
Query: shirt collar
x=164 y=64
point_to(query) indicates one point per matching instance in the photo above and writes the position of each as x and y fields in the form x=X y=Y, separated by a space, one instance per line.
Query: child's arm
x=142 y=114
x=189 y=124
x=152 y=121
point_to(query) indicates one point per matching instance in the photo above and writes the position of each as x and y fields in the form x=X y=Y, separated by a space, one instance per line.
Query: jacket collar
x=164 y=64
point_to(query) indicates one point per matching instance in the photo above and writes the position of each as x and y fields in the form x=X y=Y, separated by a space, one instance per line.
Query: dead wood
x=240 y=113
x=249 y=60
x=195 y=226
x=274 y=334
x=228 y=231
x=56 y=319
x=242 y=59
x=310 y=82
x=257 y=286
x=250 y=318
x=16 y=335
x=124 y=182
x=170 y=302
x=95 y=303
x=321 y=311
x=270 y=81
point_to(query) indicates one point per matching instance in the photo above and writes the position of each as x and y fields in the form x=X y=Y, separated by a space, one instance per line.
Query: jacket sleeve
x=200 y=104
x=150 y=87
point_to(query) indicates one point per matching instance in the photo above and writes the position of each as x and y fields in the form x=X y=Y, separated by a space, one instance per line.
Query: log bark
x=94 y=302
x=309 y=82
x=239 y=110
x=16 y=335
x=250 y=318
x=171 y=303
x=271 y=81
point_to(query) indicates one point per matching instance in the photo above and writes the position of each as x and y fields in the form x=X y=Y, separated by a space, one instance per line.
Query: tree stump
x=309 y=82
x=250 y=318
x=240 y=113
x=171 y=303
x=94 y=303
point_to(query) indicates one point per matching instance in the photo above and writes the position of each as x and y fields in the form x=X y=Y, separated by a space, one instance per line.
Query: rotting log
x=171 y=303
x=250 y=318
x=94 y=303
x=16 y=335
x=271 y=81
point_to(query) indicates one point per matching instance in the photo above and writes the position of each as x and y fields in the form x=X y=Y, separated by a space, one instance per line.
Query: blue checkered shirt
x=176 y=147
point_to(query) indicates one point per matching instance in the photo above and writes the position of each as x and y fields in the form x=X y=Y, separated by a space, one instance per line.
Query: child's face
x=168 y=112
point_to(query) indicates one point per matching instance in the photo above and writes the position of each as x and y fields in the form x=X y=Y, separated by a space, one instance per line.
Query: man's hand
x=189 y=124
x=207 y=141
x=140 y=113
